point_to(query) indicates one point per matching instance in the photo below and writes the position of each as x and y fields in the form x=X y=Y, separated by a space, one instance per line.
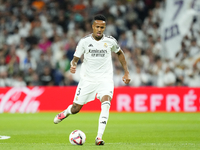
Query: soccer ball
x=77 y=137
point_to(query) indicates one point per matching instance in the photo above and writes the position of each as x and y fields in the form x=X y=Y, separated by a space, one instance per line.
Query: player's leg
x=103 y=119
x=71 y=109
x=85 y=92
x=105 y=94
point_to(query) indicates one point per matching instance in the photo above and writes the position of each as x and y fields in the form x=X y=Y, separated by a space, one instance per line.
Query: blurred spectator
x=3 y=37
x=118 y=8
x=18 y=81
x=21 y=52
x=4 y=79
x=29 y=62
x=35 y=52
x=12 y=54
x=12 y=61
x=69 y=80
x=38 y=41
x=38 y=4
x=42 y=63
x=123 y=41
x=101 y=3
x=12 y=24
x=111 y=28
x=158 y=11
x=24 y=27
x=118 y=77
x=158 y=49
x=71 y=49
x=28 y=75
x=169 y=77
x=139 y=78
x=37 y=30
x=44 y=43
x=63 y=64
x=91 y=9
x=34 y=80
x=192 y=78
x=58 y=49
x=88 y=28
x=194 y=49
x=140 y=10
x=135 y=37
x=13 y=38
x=46 y=78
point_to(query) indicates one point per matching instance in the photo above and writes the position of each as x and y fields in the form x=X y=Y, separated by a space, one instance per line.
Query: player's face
x=98 y=28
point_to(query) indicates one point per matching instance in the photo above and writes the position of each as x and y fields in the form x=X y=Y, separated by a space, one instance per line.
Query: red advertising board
x=128 y=99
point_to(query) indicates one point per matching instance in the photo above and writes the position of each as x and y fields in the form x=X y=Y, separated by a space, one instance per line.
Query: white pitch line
x=4 y=137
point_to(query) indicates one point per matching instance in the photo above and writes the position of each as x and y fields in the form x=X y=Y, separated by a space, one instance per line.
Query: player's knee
x=106 y=98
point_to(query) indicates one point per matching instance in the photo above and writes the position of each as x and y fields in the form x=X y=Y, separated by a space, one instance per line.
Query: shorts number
x=79 y=90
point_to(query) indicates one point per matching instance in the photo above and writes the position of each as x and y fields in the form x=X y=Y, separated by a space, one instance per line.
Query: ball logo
x=20 y=100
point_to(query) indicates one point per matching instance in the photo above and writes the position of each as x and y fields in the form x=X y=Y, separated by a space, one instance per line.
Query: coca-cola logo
x=21 y=100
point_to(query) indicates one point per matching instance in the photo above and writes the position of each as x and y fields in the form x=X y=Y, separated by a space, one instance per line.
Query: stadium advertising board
x=125 y=99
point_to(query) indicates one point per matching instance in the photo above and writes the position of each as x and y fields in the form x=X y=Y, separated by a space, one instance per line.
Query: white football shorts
x=87 y=90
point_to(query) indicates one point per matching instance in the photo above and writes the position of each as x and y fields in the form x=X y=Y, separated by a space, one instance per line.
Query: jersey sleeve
x=115 y=47
x=79 y=49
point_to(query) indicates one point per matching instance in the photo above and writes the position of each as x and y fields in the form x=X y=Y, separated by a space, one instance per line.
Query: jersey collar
x=100 y=39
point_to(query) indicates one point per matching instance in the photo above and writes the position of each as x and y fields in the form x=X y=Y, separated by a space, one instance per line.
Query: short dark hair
x=99 y=17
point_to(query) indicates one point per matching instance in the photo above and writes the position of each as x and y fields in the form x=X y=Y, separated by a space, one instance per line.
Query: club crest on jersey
x=105 y=45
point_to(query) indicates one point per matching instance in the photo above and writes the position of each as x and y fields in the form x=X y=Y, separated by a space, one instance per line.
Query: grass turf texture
x=124 y=131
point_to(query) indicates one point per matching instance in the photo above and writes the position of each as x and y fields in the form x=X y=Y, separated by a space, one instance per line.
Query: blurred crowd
x=38 y=40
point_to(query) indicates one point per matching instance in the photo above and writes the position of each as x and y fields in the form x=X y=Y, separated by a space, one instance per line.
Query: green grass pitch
x=124 y=131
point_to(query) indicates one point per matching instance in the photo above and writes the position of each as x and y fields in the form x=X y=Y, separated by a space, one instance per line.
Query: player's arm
x=73 y=64
x=121 y=57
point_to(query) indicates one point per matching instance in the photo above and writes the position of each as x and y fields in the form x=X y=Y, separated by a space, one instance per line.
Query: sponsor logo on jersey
x=97 y=53
x=90 y=45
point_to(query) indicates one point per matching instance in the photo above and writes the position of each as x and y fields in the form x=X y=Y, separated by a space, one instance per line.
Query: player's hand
x=126 y=78
x=73 y=69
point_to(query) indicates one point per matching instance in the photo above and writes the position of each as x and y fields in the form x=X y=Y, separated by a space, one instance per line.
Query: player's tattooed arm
x=121 y=57
x=73 y=64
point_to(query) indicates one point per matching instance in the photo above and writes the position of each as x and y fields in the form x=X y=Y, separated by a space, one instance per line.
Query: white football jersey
x=97 y=63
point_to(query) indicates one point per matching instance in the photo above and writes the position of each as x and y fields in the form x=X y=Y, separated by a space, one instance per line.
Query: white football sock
x=67 y=111
x=103 y=118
